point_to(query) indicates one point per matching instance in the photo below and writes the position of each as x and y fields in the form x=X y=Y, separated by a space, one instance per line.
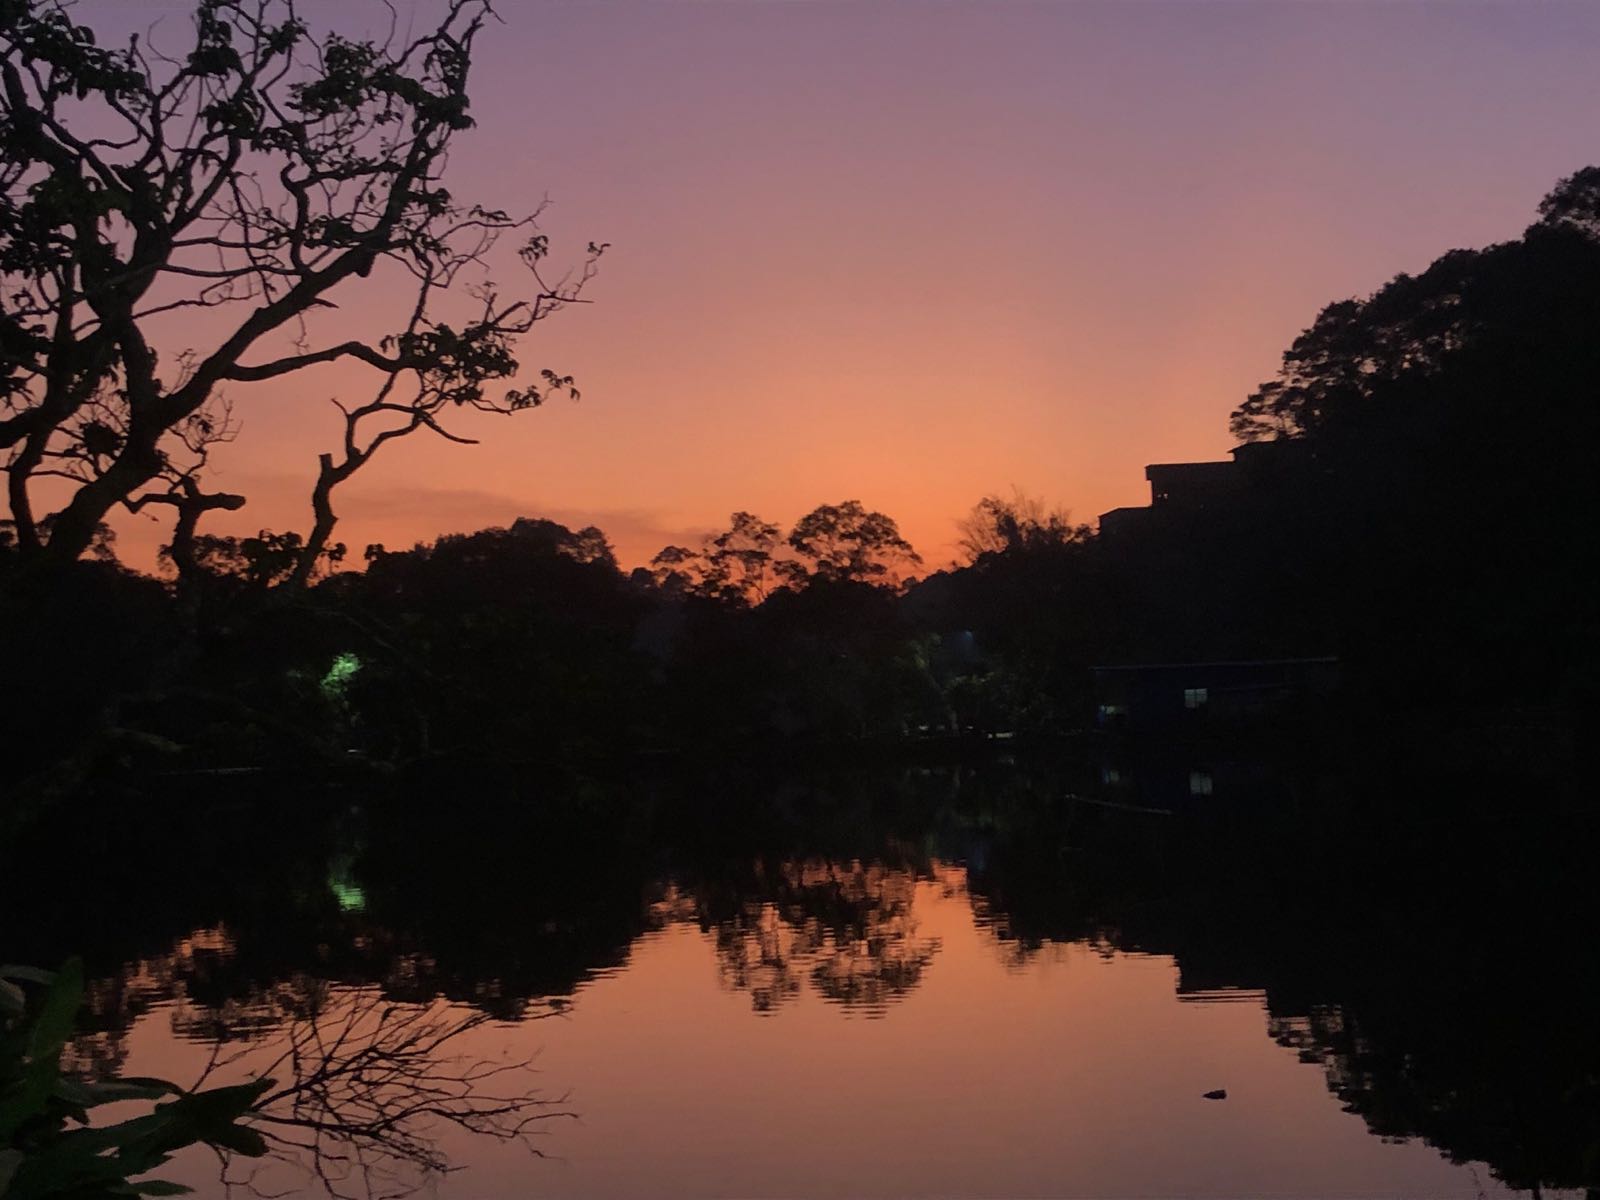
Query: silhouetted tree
x=1363 y=360
x=260 y=171
x=261 y=561
x=521 y=639
x=1574 y=202
x=846 y=541
x=737 y=565
x=751 y=558
x=1016 y=629
x=997 y=525
x=1356 y=347
x=1422 y=498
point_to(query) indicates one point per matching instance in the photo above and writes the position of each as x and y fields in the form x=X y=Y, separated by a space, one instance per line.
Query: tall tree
x=738 y=565
x=847 y=541
x=255 y=176
x=1362 y=358
x=1435 y=442
x=998 y=524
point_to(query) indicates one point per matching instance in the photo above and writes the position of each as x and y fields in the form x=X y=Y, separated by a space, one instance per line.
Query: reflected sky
x=866 y=1030
x=887 y=980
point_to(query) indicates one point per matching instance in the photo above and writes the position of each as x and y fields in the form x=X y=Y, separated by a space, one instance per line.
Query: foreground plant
x=339 y=1091
x=49 y=1143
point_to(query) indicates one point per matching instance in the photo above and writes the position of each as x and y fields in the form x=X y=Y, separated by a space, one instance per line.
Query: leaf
x=57 y=1172
x=58 y=1012
x=147 y=1081
x=110 y=1091
x=240 y=1139
x=112 y=1137
x=161 y=1187
x=26 y=974
x=46 y=1034
x=210 y=1116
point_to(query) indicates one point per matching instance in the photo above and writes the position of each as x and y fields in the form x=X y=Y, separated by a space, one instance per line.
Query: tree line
x=1415 y=483
x=1420 y=510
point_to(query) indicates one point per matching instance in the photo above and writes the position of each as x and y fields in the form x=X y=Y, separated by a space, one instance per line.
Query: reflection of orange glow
x=851 y=930
x=1077 y=1072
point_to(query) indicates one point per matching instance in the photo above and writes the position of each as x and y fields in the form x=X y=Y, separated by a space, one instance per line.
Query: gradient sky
x=916 y=252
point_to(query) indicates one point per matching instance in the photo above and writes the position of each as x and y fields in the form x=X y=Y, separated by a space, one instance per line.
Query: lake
x=1002 y=980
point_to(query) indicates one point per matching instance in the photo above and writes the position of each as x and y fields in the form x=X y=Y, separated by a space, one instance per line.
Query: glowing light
x=349 y=894
x=339 y=675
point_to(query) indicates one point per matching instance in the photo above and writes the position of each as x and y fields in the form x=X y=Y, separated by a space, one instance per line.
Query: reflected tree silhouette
x=848 y=928
x=1437 y=974
x=365 y=1079
x=1422 y=927
x=760 y=953
x=367 y=1085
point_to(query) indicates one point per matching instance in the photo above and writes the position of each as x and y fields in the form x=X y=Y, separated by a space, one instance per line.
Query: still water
x=992 y=992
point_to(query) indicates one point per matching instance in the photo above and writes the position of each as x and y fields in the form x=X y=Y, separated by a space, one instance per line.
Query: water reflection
x=1440 y=984
x=848 y=929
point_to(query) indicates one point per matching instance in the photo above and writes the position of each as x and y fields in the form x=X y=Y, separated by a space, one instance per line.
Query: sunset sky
x=914 y=253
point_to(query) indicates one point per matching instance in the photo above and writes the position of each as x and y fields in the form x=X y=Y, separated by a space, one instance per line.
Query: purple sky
x=916 y=252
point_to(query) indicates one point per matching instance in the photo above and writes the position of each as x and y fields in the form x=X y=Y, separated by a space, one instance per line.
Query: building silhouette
x=1191 y=571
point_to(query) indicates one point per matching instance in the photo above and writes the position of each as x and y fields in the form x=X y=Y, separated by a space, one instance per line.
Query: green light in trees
x=339 y=676
x=350 y=896
x=342 y=882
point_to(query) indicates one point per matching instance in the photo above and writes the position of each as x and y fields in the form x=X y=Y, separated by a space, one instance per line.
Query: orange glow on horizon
x=915 y=256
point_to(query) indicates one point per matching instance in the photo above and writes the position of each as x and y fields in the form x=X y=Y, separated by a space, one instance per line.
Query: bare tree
x=255 y=176
x=363 y=1087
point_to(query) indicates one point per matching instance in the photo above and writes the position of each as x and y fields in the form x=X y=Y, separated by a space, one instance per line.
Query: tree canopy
x=1363 y=359
x=1000 y=524
x=752 y=558
x=253 y=175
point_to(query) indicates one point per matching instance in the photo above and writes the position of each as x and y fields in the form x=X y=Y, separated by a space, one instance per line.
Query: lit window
x=1199 y=783
x=1195 y=697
